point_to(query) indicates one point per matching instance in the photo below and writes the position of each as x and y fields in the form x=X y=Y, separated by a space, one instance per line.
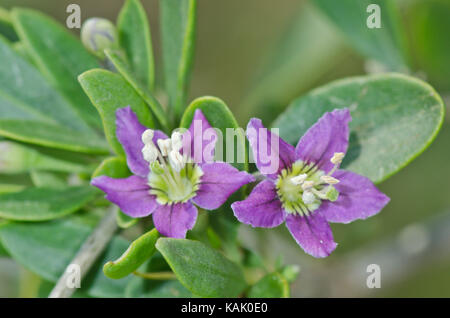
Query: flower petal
x=130 y=194
x=175 y=220
x=312 y=233
x=358 y=199
x=329 y=135
x=129 y=132
x=262 y=208
x=271 y=153
x=200 y=139
x=218 y=182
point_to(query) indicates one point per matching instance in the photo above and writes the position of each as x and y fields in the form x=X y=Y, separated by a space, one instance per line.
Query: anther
x=177 y=142
x=329 y=179
x=308 y=197
x=165 y=145
x=307 y=185
x=298 y=180
x=176 y=160
x=337 y=158
x=147 y=137
x=150 y=153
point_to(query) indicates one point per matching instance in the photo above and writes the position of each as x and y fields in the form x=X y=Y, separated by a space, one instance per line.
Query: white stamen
x=165 y=145
x=150 y=153
x=176 y=160
x=298 y=180
x=177 y=142
x=337 y=158
x=329 y=179
x=307 y=185
x=308 y=197
x=147 y=137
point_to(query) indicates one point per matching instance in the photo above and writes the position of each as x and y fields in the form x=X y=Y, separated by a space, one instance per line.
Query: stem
x=88 y=253
x=156 y=275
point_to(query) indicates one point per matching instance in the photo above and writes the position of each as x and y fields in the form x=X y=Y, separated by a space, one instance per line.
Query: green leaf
x=178 y=36
x=124 y=221
x=272 y=285
x=135 y=39
x=430 y=26
x=219 y=116
x=137 y=253
x=45 y=179
x=51 y=135
x=395 y=118
x=60 y=57
x=25 y=94
x=385 y=44
x=202 y=270
x=109 y=92
x=123 y=68
x=18 y=158
x=114 y=167
x=46 y=248
x=40 y=204
x=6 y=27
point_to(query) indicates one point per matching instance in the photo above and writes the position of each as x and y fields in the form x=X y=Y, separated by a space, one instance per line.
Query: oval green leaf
x=53 y=136
x=178 y=21
x=137 y=253
x=25 y=94
x=19 y=158
x=60 y=57
x=135 y=40
x=395 y=118
x=122 y=67
x=40 y=204
x=109 y=92
x=202 y=270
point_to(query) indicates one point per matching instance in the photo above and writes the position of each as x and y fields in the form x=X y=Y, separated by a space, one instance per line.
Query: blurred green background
x=258 y=55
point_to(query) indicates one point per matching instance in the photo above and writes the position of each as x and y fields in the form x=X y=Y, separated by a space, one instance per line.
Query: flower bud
x=98 y=34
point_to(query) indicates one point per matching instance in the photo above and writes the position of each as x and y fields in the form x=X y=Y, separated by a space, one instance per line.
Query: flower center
x=171 y=179
x=302 y=187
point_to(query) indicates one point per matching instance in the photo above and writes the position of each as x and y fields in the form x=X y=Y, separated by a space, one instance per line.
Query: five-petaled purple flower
x=166 y=181
x=308 y=190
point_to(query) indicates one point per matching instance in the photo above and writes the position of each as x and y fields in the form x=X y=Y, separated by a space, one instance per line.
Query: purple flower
x=306 y=189
x=166 y=181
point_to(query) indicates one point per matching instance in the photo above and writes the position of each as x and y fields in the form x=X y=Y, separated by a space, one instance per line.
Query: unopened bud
x=98 y=34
